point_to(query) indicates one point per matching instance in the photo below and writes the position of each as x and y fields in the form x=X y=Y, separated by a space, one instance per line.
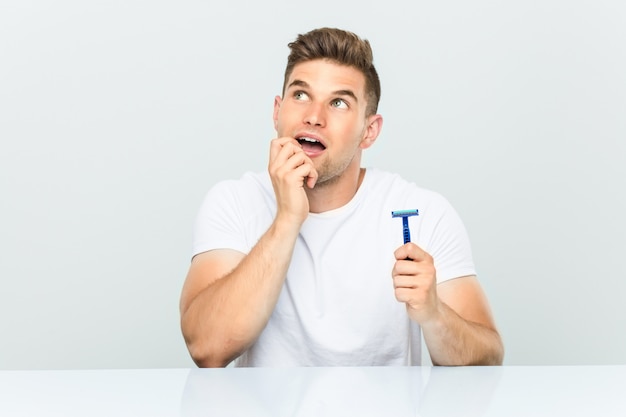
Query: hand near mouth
x=290 y=169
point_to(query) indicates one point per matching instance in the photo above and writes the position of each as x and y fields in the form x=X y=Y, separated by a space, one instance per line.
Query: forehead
x=327 y=76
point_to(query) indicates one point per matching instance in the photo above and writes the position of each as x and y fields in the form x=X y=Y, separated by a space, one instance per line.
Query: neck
x=335 y=193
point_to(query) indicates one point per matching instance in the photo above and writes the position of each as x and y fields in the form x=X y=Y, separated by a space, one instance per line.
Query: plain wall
x=117 y=116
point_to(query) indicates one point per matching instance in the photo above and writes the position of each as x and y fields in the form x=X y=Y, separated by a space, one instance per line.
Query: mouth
x=310 y=146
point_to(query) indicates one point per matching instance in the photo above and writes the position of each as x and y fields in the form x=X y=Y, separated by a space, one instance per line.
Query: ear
x=277 y=103
x=372 y=130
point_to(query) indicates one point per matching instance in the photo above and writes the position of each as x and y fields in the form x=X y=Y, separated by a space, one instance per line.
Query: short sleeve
x=218 y=224
x=447 y=241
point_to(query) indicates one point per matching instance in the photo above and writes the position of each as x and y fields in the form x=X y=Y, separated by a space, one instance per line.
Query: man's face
x=323 y=107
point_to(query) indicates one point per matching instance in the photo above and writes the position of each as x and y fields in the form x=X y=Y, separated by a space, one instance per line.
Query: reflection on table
x=376 y=391
x=370 y=391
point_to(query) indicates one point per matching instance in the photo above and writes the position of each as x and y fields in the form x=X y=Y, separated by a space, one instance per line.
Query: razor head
x=405 y=213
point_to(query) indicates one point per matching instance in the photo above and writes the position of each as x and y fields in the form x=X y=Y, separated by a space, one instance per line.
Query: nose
x=315 y=115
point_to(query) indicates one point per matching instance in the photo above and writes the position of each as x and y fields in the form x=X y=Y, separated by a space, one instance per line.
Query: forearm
x=454 y=341
x=226 y=317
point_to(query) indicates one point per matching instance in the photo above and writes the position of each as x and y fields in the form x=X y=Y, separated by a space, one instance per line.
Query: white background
x=117 y=116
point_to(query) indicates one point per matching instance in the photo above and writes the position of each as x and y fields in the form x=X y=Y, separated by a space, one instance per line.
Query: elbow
x=205 y=357
x=493 y=356
x=209 y=361
x=494 y=359
x=211 y=351
x=498 y=357
x=487 y=354
x=492 y=351
x=202 y=349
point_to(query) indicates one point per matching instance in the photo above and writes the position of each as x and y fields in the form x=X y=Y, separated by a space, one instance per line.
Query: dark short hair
x=342 y=47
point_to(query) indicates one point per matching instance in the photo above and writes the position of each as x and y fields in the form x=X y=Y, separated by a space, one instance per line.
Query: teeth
x=308 y=139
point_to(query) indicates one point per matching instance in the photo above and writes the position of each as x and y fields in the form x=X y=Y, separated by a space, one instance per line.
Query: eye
x=339 y=103
x=300 y=95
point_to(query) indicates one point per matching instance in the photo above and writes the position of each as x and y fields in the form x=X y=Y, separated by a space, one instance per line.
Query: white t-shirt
x=337 y=306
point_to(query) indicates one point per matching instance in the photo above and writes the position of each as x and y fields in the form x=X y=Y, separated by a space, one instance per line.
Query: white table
x=378 y=391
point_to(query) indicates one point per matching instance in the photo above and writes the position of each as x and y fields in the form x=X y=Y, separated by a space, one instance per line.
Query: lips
x=311 y=146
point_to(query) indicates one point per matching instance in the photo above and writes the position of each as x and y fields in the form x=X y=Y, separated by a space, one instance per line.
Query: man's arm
x=228 y=297
x=465 y=333
x=454 y=316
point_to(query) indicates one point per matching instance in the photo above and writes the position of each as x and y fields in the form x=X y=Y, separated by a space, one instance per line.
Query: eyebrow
x=304 y=84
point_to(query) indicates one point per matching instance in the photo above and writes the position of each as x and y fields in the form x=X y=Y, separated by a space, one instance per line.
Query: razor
x=405 y=214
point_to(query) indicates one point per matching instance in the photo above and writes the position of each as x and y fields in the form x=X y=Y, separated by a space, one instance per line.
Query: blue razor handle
x=405 y=230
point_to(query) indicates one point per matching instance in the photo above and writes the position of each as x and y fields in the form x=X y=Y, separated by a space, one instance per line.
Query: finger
x=287 y=153
x=405 y=281
x=406 y=267
x=413 y=274
x=282 y=148
x=303 y=172
x=404 y=295
x=293 y=173
x=290 y=158
x=411 y=251
x=423 y=273
x=285 y=169
x=279 y=154
x=282 y=141
x=312 y=177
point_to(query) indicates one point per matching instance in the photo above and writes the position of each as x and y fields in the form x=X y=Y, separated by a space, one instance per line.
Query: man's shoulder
x=250 y=188
x=249 y=181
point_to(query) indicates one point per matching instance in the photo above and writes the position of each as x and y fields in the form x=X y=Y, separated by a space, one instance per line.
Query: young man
x=304 y=265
